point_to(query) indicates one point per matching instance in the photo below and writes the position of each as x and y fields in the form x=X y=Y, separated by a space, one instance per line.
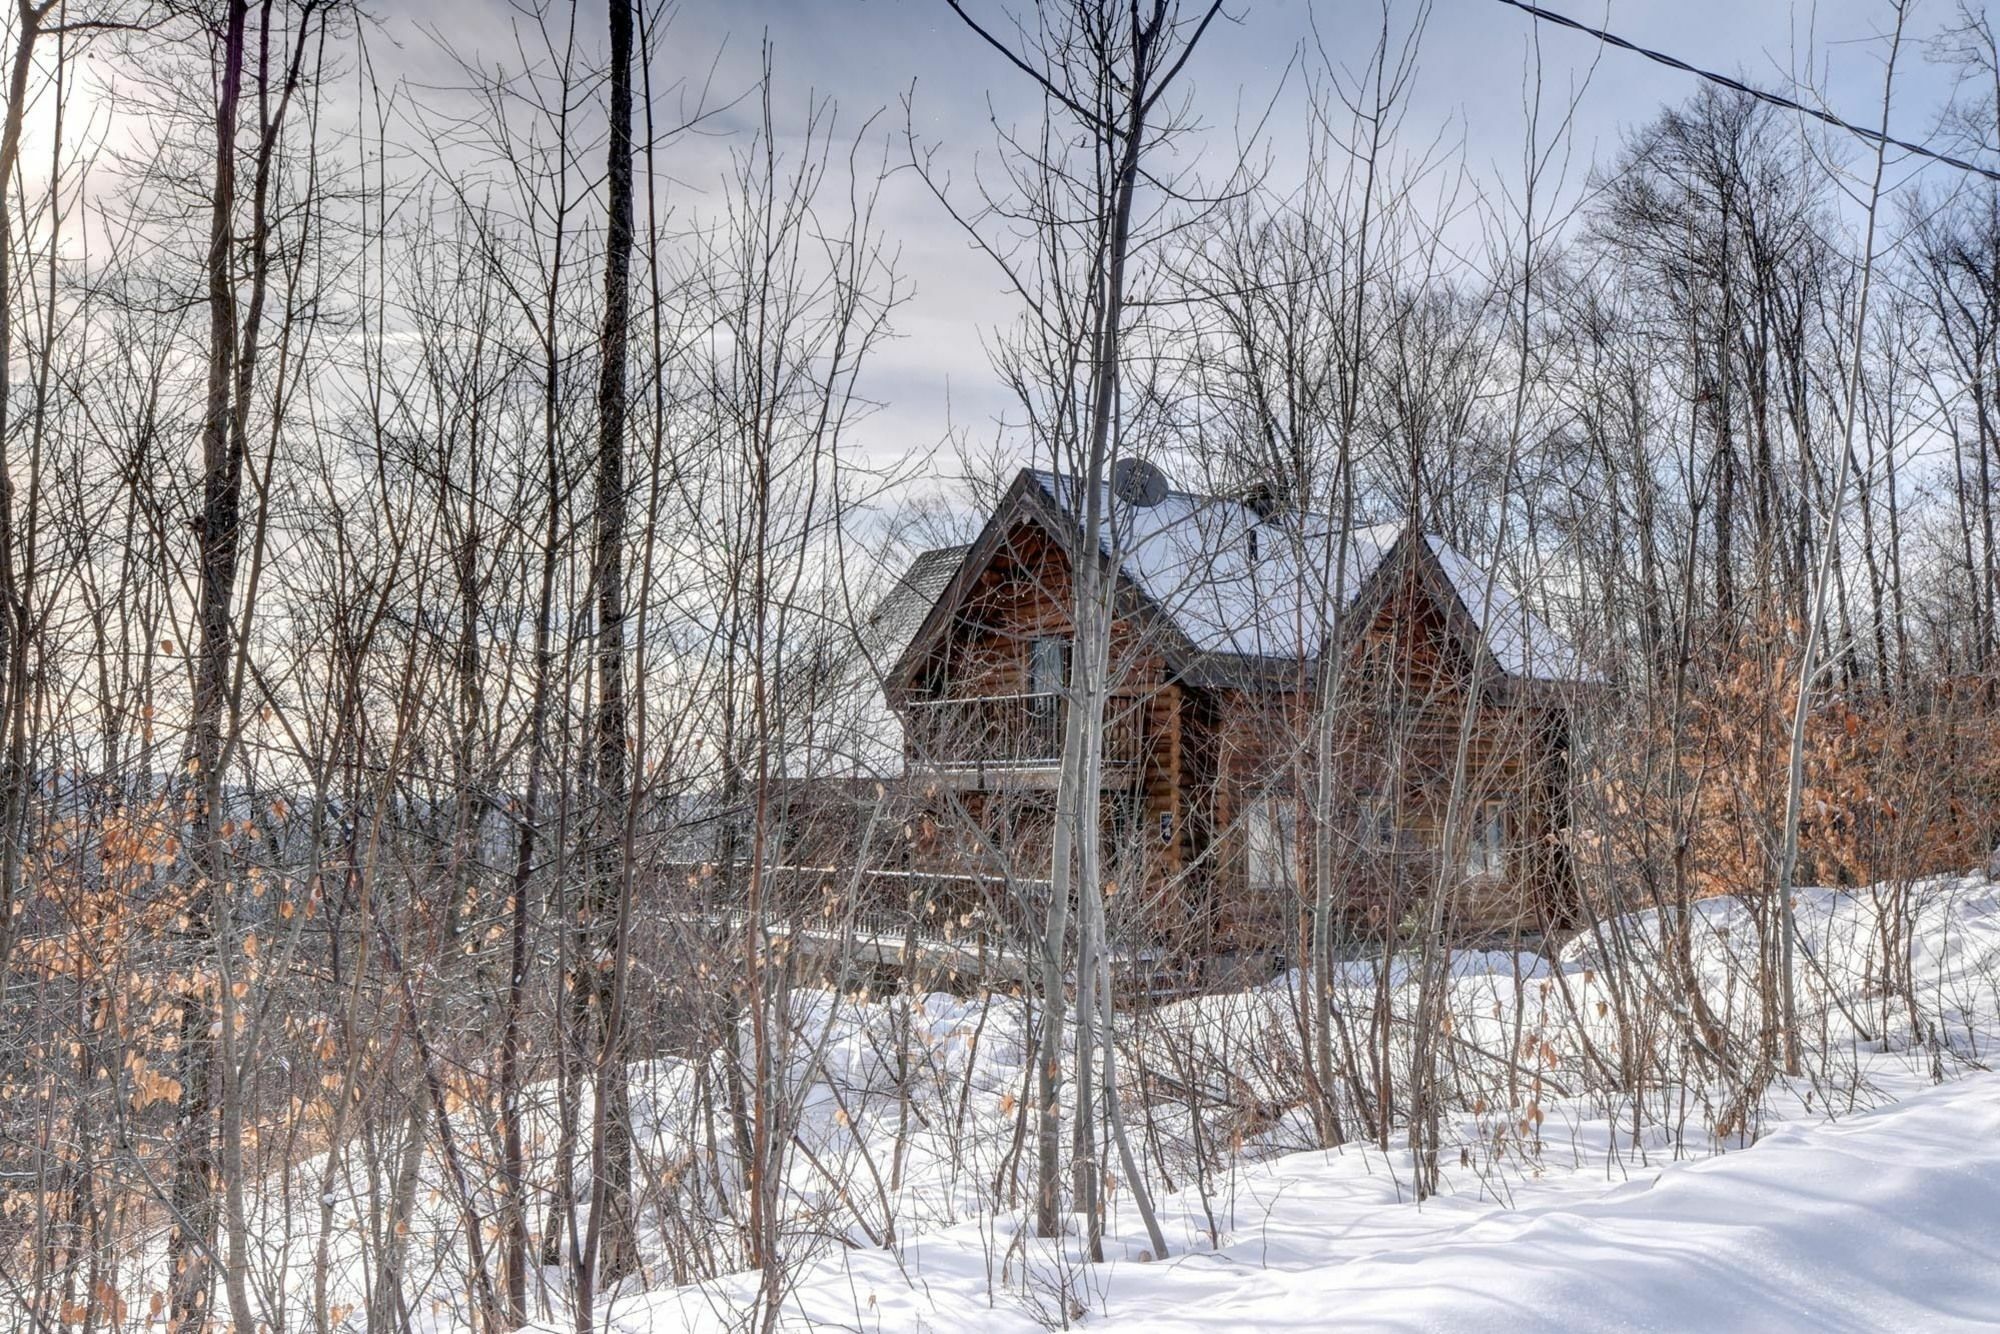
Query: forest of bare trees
x=444 y=787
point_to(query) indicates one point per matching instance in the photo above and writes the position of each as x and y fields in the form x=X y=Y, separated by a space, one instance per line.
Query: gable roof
x=1237 y=588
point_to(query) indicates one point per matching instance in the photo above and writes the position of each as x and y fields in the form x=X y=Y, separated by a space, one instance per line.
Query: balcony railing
x=1015 y=731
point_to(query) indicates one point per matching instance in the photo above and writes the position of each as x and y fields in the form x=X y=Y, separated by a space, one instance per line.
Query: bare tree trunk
x=610 y=1232
x=14 y=595
x=191 y=1246
x=1788 y=856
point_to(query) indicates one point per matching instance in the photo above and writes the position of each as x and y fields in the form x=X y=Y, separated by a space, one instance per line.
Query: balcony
x=1016 y=740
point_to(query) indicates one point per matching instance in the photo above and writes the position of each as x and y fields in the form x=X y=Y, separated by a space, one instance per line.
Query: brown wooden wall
x=1397 y=739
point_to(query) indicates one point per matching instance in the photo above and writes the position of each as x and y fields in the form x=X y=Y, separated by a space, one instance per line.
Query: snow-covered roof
x=1232 y=580
x=1236 y=580
x=902 y=610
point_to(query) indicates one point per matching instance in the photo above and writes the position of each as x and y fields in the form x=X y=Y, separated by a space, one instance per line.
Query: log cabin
x=1288 y=708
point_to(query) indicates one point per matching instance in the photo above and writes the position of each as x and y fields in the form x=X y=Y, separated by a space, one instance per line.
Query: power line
x=1775 y=99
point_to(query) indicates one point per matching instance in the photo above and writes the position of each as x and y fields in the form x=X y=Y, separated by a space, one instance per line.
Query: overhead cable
x=1762 y=95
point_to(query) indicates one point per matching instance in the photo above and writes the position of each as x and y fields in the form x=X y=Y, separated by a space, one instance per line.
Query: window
x=1486 y=849
x=1272 y=835
x=1048 y=665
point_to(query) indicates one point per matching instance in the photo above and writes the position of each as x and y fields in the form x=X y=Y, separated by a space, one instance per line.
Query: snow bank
x=1889 y=1221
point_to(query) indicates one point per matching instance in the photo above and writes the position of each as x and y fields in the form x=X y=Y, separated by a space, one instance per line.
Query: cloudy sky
x=1476 y=59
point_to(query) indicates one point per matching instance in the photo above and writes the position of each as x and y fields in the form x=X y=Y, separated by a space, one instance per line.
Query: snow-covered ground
x=1864 y=1195
x=1887 y=1220
x=1664 y=1193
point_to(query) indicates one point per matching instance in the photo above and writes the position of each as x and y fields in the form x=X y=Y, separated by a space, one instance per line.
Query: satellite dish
x=1138 y=483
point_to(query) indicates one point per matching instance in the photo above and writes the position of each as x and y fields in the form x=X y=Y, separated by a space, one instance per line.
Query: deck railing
x=962 y=924
x=1021 y=731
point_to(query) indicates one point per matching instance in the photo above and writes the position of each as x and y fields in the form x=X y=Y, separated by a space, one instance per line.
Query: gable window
x=1048 y=665
x=1486 y=849
x=1271 y=836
